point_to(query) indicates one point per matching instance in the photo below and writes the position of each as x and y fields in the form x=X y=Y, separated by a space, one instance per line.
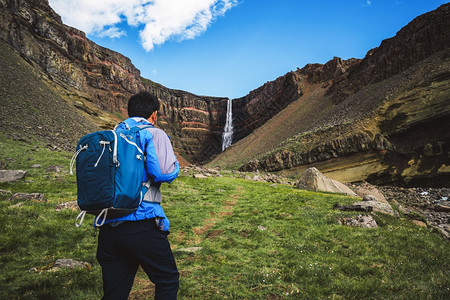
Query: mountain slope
x=29 y=109
x=381 y=119
x=99 y=81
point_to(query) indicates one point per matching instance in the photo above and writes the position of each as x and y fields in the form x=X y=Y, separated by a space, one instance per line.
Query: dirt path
x=207 y=224
x=143 y=288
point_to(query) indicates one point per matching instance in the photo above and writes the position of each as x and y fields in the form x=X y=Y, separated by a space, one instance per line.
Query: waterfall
x=227 y=136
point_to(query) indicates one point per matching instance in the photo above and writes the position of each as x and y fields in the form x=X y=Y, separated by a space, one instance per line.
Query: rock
x=199 y=176
x=11 y=175
x=444 y=230
x=2 y=192
x=377 y=206
x=353 y=207
x=419 y=223
x=71 y=264
x=313 y=179
x=189 y=249
x=257 y=178
x=359 y=221
x=403 y=210
x=213 y=171
x=67 y=205
x=62 y=263
x=262 y=228
x=441 y=208
x=28 y=197
x=36 y=166
x=369 y=198
x=54 y=169
x=366 y=189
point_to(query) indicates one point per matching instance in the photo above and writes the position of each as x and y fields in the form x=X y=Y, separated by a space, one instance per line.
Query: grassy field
x=258 y=241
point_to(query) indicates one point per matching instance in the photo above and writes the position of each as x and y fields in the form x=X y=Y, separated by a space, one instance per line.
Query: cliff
x=99 y=81
x=255 y=109
x=424 y=36
x=382 y=118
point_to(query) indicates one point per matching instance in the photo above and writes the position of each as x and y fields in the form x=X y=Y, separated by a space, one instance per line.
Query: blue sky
x=226 y=48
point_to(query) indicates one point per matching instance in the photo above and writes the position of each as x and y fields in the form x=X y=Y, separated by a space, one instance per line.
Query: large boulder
x=366 y=190
x=11 y=175
x=313 y=179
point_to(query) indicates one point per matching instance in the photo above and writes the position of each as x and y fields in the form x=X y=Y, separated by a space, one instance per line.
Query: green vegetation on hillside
x=258 y=241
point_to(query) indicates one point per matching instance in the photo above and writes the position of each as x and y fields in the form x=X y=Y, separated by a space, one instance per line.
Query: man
x=140 y=238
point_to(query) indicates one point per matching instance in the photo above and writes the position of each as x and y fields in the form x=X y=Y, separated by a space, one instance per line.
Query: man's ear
x=153 y=117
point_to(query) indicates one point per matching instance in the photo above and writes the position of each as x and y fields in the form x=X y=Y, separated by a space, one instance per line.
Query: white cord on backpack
x=74 y=157
x=81 y=215
x=105 y=212
x=104 y=143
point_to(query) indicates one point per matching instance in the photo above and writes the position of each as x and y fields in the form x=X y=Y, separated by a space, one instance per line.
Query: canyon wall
x=255 y=109
x=99 y=81
x=387 y=117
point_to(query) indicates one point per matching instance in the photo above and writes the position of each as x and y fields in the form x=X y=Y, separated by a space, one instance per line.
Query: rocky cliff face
x=422 y=37
x=403 y=140
x=97 y=80
x=386 y=115
x=66 y=56
x=195 y=122
x=255 y=109
x=260 y=105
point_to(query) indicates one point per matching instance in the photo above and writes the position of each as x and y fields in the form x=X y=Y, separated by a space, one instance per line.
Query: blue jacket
x=161 y=165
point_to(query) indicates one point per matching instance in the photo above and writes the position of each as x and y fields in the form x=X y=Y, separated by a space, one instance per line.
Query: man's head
x=143 y=105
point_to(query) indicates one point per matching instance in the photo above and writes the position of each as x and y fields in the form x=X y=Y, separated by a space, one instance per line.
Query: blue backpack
x=109 y=168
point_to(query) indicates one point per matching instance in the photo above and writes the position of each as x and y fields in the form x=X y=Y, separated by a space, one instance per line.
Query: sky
x=226 y=48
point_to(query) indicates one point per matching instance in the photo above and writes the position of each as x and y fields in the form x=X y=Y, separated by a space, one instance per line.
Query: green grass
x=258 y=241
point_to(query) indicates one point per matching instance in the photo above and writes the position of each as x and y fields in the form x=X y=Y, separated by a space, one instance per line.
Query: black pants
x=123 y=248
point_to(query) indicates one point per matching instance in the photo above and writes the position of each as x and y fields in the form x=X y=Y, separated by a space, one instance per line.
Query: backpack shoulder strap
x=140 y=127
x=118 y=124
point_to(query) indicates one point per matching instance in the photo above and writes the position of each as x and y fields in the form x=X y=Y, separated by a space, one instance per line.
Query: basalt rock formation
x=99 y=81
x=255 y=109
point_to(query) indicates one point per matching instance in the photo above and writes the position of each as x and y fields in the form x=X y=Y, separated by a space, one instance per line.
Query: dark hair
x=142 y=104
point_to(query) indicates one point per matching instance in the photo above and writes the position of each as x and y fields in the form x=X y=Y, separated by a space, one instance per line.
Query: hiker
x=140 y=238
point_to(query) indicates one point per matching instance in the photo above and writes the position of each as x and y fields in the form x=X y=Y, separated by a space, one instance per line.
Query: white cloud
x=368 y=2
x=112 y=32
x=161 y=19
